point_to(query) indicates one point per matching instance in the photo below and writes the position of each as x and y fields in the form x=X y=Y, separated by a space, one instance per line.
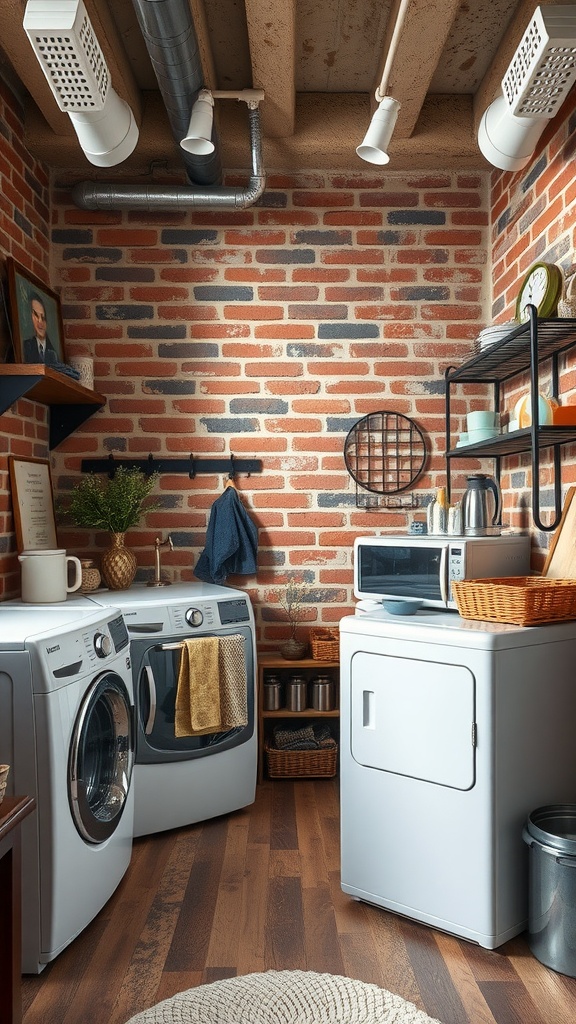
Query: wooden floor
x=259 y=890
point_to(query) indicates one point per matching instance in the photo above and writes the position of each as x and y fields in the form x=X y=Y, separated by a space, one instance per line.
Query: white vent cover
x=69 y=53
x=543 y=69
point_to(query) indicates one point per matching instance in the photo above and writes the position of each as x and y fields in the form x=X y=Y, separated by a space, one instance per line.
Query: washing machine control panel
x=194 y=617
x=102 y=645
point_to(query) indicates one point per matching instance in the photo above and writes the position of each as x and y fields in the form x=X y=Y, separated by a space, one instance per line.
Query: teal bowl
x=402 y=605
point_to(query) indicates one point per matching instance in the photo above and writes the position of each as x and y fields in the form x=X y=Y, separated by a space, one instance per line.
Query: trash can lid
x=554 y=826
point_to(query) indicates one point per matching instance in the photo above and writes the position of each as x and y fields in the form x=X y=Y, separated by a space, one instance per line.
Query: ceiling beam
x=272 y=35
x=202 y=35
x=422 y=39
x=326 y=122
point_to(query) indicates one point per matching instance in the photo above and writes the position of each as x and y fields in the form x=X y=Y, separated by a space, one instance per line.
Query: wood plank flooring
x=260 y=890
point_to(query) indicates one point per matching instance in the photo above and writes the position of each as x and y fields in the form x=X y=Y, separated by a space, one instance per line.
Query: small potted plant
x=115 y=505
x=291 y=600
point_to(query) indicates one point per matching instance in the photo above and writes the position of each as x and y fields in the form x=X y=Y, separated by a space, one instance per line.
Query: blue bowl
x=402 y=605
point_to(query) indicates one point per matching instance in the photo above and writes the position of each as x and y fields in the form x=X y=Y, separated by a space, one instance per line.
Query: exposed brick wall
x=533 y=219
x=24 y=235
x=268 y=333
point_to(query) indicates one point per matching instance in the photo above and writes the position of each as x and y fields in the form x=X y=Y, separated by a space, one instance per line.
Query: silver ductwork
x=172 y=45
x=91 y=195
x=171 y=41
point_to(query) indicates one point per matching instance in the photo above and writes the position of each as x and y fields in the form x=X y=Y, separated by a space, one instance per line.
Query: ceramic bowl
x=481 y=420
x=481 y=435
x=402 y=605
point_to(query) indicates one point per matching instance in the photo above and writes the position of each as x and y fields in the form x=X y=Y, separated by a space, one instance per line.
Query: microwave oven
x=425 y=566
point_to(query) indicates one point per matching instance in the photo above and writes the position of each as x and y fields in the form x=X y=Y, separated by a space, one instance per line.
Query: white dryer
x=181 y=780
x=452 y=732
x=66 y=728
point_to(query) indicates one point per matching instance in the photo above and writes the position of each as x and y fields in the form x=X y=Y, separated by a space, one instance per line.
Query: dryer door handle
x=152 y=698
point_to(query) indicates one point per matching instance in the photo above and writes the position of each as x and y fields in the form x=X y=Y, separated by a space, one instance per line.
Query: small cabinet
x=70 y=403
x=310 y=669
x=526 y=347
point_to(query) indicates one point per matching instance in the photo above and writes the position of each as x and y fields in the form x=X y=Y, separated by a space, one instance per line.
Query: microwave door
x=403 y=570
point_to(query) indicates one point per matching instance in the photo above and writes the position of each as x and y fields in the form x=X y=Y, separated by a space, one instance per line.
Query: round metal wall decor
x=385 y=452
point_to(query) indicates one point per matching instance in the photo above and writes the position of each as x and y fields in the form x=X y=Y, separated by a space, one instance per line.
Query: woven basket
x=325 y=644
x=4 y=769
x=521 y=600
x=296 y=764
x=567 y=304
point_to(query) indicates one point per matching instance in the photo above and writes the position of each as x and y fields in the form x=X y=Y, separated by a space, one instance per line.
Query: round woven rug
x=284 y=997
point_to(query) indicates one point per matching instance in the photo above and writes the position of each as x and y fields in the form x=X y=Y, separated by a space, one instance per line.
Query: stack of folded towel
x=309 y=737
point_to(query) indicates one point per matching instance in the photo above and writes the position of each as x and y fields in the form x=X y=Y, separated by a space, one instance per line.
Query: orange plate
x=564 y=416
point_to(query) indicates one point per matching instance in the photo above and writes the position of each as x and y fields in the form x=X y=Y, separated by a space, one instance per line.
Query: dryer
x=66 y=728
x=452 y=732
x=180 y=780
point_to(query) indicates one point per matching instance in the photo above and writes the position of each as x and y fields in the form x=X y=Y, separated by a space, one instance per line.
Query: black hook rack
x=191 y=465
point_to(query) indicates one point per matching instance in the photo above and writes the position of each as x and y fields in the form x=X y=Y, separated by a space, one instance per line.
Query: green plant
x=292 y=599
x=116 y=504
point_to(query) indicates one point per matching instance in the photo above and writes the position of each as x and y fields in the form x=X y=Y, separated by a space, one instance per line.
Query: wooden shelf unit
x=310 y=667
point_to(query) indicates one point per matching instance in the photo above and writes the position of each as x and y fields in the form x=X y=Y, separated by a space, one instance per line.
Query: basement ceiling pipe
x=170 y=37
x=172 y=45
x=91 y=195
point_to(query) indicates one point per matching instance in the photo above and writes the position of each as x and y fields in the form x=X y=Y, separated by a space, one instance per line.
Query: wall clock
x=542 y=287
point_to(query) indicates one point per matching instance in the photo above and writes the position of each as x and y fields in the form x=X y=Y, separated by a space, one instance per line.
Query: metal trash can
x=550 y=832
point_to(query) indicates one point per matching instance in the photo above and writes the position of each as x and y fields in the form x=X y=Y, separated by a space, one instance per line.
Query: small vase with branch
x=292 y=600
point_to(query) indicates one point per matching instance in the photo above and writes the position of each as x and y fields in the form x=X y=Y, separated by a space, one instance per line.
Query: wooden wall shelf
x=70 y=403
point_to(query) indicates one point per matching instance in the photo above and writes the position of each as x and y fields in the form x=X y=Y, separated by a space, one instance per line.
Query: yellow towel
x=233 y=688
x=198 y=689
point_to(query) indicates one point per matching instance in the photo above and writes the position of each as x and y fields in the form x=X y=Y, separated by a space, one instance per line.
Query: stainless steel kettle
x=475 y=512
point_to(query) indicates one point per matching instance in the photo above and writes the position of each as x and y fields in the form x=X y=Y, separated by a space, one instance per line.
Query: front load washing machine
x=66 y=728
x=180 y=780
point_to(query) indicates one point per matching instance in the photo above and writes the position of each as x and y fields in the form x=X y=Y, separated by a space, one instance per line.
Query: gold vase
x=118 y=564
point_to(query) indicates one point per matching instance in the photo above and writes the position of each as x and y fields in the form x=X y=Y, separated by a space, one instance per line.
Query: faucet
x=158 y=581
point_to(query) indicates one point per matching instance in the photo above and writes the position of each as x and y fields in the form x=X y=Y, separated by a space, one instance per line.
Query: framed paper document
x=32 y=504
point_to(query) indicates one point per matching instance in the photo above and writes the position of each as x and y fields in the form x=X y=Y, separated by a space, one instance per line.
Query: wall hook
x=192 y=471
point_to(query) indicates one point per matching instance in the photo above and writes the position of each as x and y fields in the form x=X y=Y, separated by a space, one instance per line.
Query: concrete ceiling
x=318 y=61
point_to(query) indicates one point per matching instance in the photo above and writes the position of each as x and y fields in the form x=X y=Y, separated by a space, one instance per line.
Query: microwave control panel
x=456 y=563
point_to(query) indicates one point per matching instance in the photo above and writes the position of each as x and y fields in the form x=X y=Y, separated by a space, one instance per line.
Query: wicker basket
x=521 y=600
x=325 y=644
x=296 y=764
x=4 y=769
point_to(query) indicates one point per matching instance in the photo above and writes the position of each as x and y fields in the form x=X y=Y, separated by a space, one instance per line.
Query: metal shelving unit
x=525 y=348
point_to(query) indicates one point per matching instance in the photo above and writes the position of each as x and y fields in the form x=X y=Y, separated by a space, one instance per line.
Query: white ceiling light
x=374 y=147
x=69 y=54
x=198 y=138
x=536 y=83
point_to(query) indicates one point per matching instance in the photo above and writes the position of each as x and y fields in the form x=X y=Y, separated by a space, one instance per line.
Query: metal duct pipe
x=171 y=42
x=90 y=195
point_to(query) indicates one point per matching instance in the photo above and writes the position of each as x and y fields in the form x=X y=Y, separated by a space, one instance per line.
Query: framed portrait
x=6 y=352
x=36 y=315
x=32 y=504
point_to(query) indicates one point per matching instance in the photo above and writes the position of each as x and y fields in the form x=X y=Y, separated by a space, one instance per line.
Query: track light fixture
x=374 y=148
x=70 y=56
x=536 y=83
x=198 y=139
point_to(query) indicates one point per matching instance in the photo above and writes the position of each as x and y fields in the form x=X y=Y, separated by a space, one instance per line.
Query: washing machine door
x=101 y=758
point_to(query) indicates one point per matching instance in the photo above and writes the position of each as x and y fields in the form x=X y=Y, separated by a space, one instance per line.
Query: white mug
x=45 y=575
